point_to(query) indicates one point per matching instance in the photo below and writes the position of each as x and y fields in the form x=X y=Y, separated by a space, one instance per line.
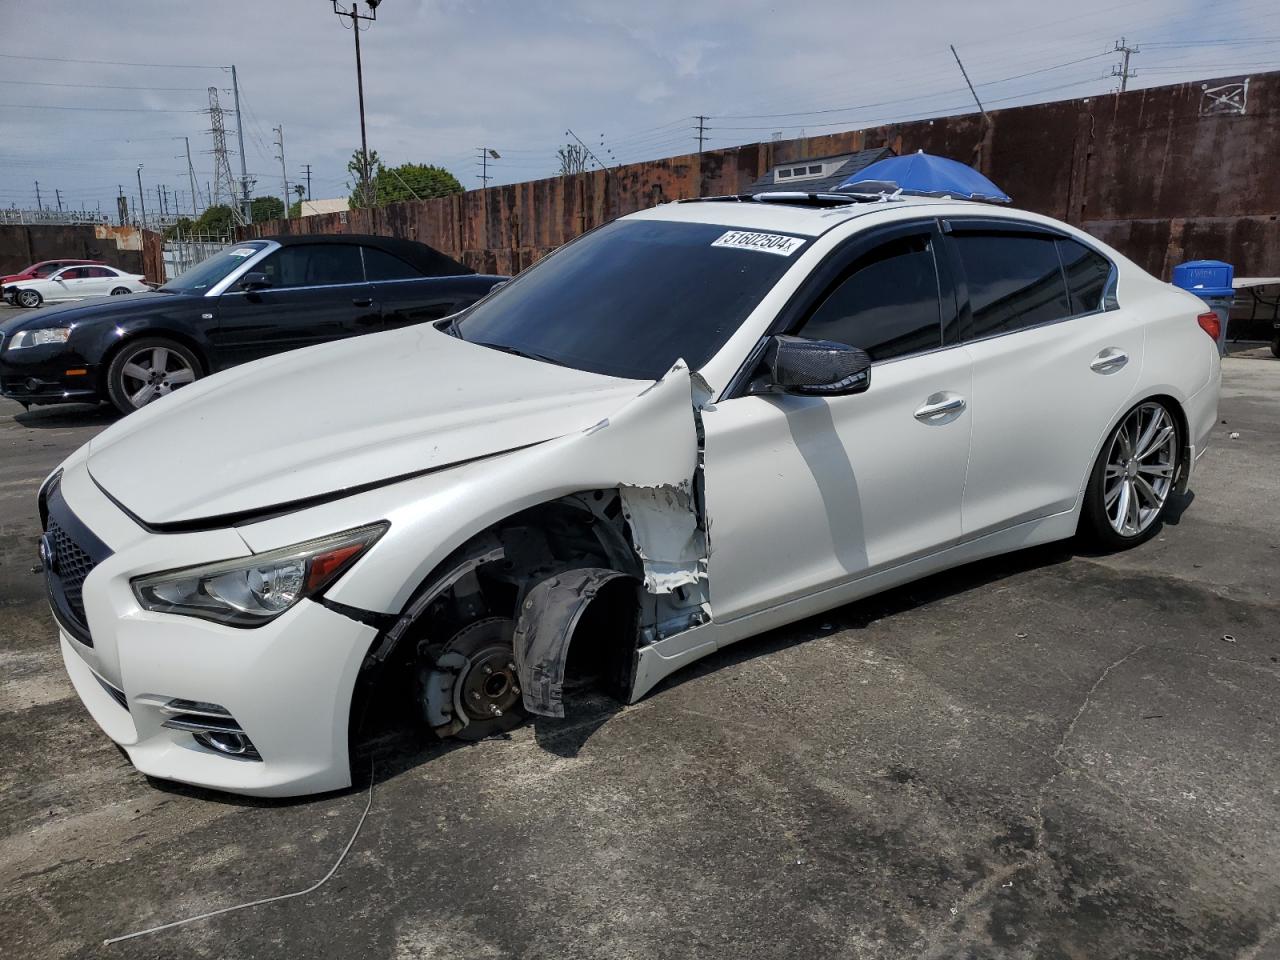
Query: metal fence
x=182 y=252
x=23 y=217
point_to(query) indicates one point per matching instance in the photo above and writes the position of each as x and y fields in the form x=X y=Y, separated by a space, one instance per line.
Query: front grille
x=72 y=565
x=71 y=551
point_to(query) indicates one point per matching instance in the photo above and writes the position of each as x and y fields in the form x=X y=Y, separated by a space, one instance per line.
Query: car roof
x=428 y=259
x=809 y=215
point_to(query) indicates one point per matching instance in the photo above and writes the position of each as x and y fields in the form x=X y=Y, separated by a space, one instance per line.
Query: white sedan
x=77 y=283
x=693 y=424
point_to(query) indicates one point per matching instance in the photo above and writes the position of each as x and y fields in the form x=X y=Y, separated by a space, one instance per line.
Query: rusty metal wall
x=138 y=251
x=1147 y=171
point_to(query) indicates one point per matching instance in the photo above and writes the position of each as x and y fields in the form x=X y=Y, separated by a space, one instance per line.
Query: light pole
x=356 y=16
x=142 y=200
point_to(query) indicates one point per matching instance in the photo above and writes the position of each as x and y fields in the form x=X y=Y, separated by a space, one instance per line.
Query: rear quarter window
x=1088 y=275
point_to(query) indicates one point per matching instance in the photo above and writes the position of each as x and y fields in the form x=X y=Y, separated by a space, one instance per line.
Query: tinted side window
x=314 y=264
x=380 y=265
x=47 y=269
x=886 y=302
x=1015 y=281
x=1088 y=274
x=75 y=273
x=98 y=272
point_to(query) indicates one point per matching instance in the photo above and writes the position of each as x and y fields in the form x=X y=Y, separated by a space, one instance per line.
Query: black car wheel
x=120 y=291
x=1275 y=346
x=29 y=298
x=1134 y=477
x=148 y=369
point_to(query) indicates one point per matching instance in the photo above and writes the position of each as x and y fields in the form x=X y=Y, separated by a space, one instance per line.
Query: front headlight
x=38 y=338
x=255 y=590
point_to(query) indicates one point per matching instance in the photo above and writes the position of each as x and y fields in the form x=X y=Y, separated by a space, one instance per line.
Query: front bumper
x=287 y=684
x=39 y=375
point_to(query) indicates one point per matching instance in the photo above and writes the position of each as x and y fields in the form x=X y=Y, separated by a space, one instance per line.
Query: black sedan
x=251 y=300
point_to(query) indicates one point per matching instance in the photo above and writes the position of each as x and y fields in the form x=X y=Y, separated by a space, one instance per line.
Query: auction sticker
x=777 y=243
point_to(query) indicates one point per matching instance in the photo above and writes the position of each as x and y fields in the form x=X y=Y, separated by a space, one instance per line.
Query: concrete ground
x=1052 y=755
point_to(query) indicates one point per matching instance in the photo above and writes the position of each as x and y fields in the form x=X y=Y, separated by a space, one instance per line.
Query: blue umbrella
x=924 y=175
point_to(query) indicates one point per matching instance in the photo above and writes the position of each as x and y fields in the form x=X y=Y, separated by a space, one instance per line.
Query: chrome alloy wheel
x=1141 y=466
x=153 y=372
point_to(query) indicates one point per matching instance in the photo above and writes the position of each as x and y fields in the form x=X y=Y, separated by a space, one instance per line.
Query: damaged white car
x=690 y=425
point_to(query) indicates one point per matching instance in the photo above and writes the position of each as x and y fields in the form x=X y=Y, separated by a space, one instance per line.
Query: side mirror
x=254 y=281
x=821 y=368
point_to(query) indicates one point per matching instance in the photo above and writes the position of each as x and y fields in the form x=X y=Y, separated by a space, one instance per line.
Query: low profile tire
x=120 y=291
x=1134 y=478
x=147 y=369
x=28 y=298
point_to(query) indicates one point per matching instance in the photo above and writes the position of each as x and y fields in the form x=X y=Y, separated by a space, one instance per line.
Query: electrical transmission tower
x=1122 y=71
x=224 y=183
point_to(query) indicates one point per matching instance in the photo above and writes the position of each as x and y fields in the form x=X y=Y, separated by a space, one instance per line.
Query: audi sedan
x=690 y=425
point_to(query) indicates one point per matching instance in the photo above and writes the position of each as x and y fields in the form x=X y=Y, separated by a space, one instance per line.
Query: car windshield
x=207 y=273
x=634 y=296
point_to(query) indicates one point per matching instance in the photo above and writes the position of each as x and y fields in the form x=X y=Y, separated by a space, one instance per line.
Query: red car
x=37 y=271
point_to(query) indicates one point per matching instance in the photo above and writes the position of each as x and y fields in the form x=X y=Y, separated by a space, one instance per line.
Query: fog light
x=232 y=744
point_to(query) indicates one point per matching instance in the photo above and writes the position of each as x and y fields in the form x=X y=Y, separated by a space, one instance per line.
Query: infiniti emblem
x=48 y=556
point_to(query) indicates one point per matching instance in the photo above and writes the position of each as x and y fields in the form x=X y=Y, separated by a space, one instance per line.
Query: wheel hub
x=487 y=686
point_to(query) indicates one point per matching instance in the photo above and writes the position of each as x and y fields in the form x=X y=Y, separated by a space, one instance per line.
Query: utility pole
x=244 y=171
x=308 y=169
x=39 y=204
x=356 y=16
x=280 y=156
x=142 y=201
x=191 y=174
x=484 y=166
x=160 y=203
x=122 y=205
x=702 y=136
x=57 y=195
x=1123 y=71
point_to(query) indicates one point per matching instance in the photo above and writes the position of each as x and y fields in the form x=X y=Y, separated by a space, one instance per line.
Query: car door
x=98 y=281
x=405 y=295
x=316 y=292
x=806 y=492
x=1054 y=361
x=66 y=284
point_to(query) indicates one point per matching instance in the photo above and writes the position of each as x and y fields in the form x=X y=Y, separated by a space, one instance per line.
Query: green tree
x=295 y=209
x=408 y=181
x=266 y=208
x=216 y=221
x=182 y=227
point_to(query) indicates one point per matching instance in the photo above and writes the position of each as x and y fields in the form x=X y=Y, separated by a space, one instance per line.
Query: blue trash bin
x=1210 y=280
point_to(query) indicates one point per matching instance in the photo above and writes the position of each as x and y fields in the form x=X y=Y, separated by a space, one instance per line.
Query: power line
x=113 y=63
x=105 y=86
x=40 y=106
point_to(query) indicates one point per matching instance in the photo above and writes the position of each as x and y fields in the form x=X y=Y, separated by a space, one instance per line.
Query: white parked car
x=690 y=425
x=78 y=283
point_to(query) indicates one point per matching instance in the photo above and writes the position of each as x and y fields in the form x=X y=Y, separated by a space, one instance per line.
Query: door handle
x=1109 y=360
x=362 y=302
x=939 y=405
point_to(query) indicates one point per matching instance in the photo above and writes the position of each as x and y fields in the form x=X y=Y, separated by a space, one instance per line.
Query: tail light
x=1210 y=324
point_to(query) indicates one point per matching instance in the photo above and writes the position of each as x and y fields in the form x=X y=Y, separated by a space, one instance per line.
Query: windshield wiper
x=516 y=351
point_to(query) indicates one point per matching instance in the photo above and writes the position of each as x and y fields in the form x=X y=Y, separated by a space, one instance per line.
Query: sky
x=446 y=77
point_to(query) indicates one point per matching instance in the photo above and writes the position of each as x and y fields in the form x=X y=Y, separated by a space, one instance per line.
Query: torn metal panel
x=667 y=534
x=548 y=618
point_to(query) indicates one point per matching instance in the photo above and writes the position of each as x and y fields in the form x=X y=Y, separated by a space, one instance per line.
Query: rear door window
x=1015 y=281
x=380 y=265
x=886 y=302
x=314 y=265
x=1088 y=276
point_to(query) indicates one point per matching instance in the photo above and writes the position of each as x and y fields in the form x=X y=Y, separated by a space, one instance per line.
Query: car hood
x=84 y=311
x=338 y=417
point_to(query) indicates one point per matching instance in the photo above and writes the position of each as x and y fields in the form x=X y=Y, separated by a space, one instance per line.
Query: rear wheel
x=148 y=369
x=29 y=298
x=120 y=291
x=1133 y=478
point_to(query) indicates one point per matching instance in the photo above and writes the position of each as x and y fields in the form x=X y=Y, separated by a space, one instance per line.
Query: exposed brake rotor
x=472 y=690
